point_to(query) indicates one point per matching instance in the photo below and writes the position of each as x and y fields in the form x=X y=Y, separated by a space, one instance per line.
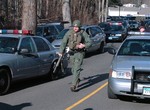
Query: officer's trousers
x=76 y=60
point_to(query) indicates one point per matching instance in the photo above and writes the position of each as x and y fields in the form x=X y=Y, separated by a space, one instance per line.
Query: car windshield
x=60 y=27
x=135 y=48
x=133 y=22
x=62 y=34
x=8 y=44
x=116 y=28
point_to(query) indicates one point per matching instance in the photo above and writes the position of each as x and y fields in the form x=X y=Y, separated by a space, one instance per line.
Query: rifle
x=57 y=64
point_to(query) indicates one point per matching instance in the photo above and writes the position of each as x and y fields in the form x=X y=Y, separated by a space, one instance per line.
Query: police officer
x=78 y=41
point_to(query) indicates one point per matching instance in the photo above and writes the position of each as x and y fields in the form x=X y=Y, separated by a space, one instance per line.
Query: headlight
x=121 y=74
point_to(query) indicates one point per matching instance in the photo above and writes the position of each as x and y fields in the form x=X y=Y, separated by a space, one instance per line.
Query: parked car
x=57 y=42
x=49 y=30
x=97 y=37
x=130 y=68
x=96 y=34
x=25 y=56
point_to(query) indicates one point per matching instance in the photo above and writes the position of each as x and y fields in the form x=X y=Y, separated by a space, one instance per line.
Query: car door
x=28 y=64
x=45 y=54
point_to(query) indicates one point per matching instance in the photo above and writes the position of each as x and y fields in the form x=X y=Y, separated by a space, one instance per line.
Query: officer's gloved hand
x=60 y=54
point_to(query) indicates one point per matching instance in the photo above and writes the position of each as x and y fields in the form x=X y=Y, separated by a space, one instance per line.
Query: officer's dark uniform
x=71 y=39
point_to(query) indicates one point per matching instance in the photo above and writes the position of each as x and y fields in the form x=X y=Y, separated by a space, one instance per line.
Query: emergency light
x=116 y=23
x=24 y=32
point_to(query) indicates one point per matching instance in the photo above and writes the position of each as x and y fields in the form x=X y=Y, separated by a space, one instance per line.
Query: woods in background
x=88 y=11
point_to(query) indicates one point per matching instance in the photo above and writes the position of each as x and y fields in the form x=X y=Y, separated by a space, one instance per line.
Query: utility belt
x=72 y=52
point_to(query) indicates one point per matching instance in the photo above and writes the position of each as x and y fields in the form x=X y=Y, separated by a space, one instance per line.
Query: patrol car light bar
x=24 y=32
x=115 y=23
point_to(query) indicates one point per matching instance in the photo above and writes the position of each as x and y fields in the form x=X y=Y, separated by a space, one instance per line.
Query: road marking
x=86 y=97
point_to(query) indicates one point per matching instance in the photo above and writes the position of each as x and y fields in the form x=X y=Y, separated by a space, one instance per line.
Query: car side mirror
x=23 y=51
x=26 y=52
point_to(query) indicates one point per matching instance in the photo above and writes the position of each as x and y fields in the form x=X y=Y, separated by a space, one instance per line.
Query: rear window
x=116 y=28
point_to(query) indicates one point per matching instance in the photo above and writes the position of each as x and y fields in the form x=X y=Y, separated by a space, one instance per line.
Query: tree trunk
x=103 y=8
x=29 y=15
x=66 y=12
x=99 y=11
x=106 y=10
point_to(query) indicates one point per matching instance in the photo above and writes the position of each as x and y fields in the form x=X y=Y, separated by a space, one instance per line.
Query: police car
x=116 y=32
x=129 y=71
x=24 y=56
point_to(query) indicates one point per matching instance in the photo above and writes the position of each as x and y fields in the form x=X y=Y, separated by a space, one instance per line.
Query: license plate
x=118 y=34
x=146 y=90
x=110 y=38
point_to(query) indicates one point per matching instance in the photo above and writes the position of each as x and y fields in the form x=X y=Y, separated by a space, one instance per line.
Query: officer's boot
x=73 y=87
x=77 y=84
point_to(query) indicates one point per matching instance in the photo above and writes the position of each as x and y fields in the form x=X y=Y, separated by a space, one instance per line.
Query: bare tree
x=103 y=8
x=99 y=11
x=29 y=15
x=106 y=10
x=66 y=12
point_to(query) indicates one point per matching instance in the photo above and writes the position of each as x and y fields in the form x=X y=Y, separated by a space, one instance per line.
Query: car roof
x=47 y=24
x=86 y=26
x=139 y=37
x=16 y=35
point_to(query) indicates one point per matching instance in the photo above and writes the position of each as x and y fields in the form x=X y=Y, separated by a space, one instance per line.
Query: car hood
x=126 y=62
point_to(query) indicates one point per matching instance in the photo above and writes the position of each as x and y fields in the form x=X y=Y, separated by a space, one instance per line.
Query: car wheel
x=111 y=95
x=4 y=81
x=101 y=48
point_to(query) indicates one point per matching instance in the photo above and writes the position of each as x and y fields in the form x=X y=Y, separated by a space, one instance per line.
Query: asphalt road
x=40 y=94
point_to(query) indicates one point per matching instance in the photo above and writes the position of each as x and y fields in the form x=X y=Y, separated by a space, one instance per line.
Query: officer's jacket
x=71 y=41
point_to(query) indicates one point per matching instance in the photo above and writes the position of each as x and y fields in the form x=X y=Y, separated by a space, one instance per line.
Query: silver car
x=23 y=56
x=95 y=33
x=130 y=68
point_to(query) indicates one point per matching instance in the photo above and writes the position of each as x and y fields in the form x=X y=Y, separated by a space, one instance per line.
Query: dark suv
x=49 y=30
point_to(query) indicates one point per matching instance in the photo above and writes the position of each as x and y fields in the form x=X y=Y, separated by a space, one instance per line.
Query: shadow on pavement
x=26 y=83
x=88 y=109
x=4 y=106
x=90 y=54
x=91 y=80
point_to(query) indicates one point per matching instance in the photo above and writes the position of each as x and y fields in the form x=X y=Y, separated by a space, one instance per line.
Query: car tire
x=54 y=76
x=4 y=81
x=111 y=95
x=101 y=48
